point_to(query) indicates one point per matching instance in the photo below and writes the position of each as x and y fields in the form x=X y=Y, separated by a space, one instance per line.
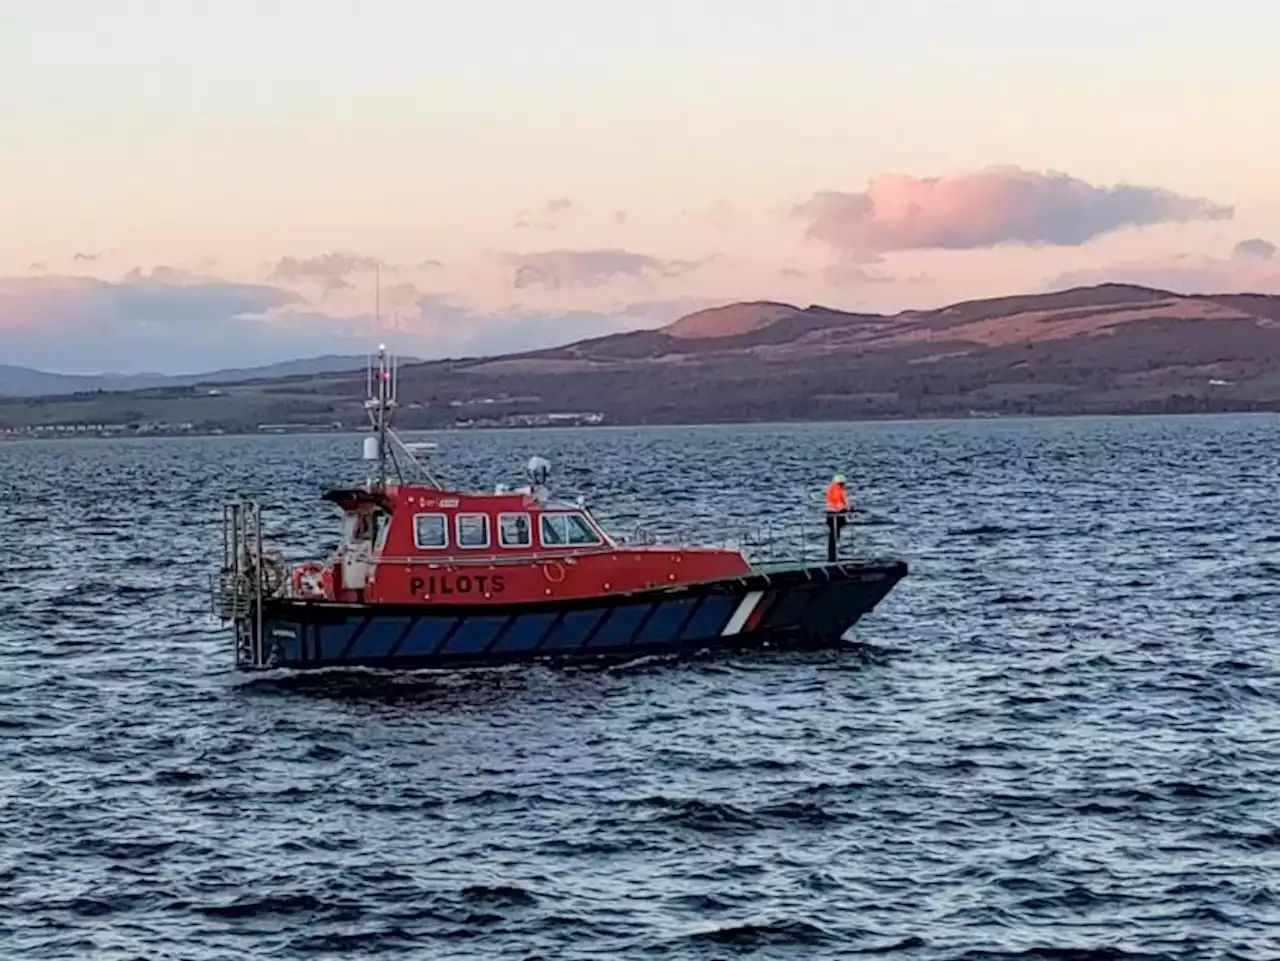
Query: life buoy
x=312 y=579
x=553 y=565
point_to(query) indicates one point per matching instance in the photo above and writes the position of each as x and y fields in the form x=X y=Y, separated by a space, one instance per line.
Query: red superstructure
x=422 y=545
x=417 y=543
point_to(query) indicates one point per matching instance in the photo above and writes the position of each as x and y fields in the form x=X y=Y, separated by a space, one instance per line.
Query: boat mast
x=382 y=384
x=380 y=405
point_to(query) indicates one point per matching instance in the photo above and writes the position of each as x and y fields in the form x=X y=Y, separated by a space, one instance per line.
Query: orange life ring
x=546 y=571
x=314 y=569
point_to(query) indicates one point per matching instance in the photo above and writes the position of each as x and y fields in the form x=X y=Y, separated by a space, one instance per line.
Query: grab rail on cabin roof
x=762 y=543
x=768 y=541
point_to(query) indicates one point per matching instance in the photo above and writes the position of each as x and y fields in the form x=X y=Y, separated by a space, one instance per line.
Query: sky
x=187 y=185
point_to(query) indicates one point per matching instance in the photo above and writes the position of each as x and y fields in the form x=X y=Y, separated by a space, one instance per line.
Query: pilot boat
x=430 y=577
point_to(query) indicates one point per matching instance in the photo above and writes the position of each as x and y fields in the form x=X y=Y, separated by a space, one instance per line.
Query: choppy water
x=1059 y=737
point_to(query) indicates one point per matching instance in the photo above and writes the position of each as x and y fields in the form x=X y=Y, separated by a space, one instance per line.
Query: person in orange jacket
x=837 y=514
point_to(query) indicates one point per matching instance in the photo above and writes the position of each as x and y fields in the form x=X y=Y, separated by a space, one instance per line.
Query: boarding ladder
x=242 y=582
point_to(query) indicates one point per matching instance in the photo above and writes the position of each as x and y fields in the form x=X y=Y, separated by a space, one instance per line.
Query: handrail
x=763 y=542
x=488 y=560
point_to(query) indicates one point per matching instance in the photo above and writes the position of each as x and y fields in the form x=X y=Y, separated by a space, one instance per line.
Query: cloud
x=549 y=216
x=558 y=269
x=430 y=265
x=620 y=217
x=328 y=271
x=720 y=213
x=85 y=258
x=79 y=324
x=988 y=208
x=452 y=330
x=1254 y=249
x=38 y=265
x=1185 y=274
x=398 y=296
x=161 y=274
x=848 y=273
x=145 y=323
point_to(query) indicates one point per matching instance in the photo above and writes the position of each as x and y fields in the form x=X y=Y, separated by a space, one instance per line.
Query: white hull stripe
x=740 y=616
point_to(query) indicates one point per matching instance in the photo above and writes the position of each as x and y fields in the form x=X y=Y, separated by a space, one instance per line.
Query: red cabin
x=422 y=545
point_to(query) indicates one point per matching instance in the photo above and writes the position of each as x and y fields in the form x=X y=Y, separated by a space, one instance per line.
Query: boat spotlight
x=539 y=469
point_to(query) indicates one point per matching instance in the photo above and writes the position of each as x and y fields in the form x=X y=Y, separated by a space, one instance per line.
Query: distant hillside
x=731 y=319
x=1106 y=349
x=25 y=382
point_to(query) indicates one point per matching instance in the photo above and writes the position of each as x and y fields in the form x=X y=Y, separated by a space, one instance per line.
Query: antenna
x=380 y=405
x=383 y=385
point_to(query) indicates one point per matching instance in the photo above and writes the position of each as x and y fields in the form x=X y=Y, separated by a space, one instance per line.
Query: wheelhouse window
x=473 y=530
x=513 y=530
x=430 y=532
x=566 y=530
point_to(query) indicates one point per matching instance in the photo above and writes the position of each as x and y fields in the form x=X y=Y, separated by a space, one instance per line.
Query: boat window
x=364 y=527
x=560 y=530
x=382 y=524
x=473 y=530
x=513 y=530
x=429 y=532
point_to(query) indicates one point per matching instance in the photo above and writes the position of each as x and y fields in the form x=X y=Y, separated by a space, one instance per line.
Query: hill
x=1106 y=349
x=26 y=382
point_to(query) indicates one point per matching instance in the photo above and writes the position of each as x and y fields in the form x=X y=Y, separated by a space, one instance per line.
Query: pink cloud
x=589 y=268
x=988 y=208
x=79 y=323
x=143 y=324
x=1189 y=274
x=847 y=273
x=1255 y=248
x=398 y=296
x=549 y=216
x=163 y=274
x=329 y=271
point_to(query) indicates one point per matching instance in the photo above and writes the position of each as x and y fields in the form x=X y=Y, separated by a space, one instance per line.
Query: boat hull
x=810 y=606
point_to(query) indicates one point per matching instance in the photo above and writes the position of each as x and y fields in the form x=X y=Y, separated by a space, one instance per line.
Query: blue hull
x=810 y=606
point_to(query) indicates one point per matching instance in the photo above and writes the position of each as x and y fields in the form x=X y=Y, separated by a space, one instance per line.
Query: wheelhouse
x=423 y=544
x=426 y=545
x=439 y=526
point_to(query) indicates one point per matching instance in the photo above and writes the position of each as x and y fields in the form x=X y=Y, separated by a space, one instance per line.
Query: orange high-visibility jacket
x=836 y=499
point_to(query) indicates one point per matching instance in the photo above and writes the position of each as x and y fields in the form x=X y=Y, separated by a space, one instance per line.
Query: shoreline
x=653 y=425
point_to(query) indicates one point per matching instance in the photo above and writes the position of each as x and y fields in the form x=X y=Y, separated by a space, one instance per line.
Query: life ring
x=321 y=579
x=547 y=568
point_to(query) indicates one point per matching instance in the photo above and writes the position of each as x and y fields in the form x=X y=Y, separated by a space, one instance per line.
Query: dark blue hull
x=803 y=606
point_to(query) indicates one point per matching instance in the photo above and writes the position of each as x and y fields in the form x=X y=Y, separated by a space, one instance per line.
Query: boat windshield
x=567 y=529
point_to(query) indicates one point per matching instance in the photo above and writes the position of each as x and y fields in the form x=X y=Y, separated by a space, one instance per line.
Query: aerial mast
x=380 y=405
x=381 y=384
